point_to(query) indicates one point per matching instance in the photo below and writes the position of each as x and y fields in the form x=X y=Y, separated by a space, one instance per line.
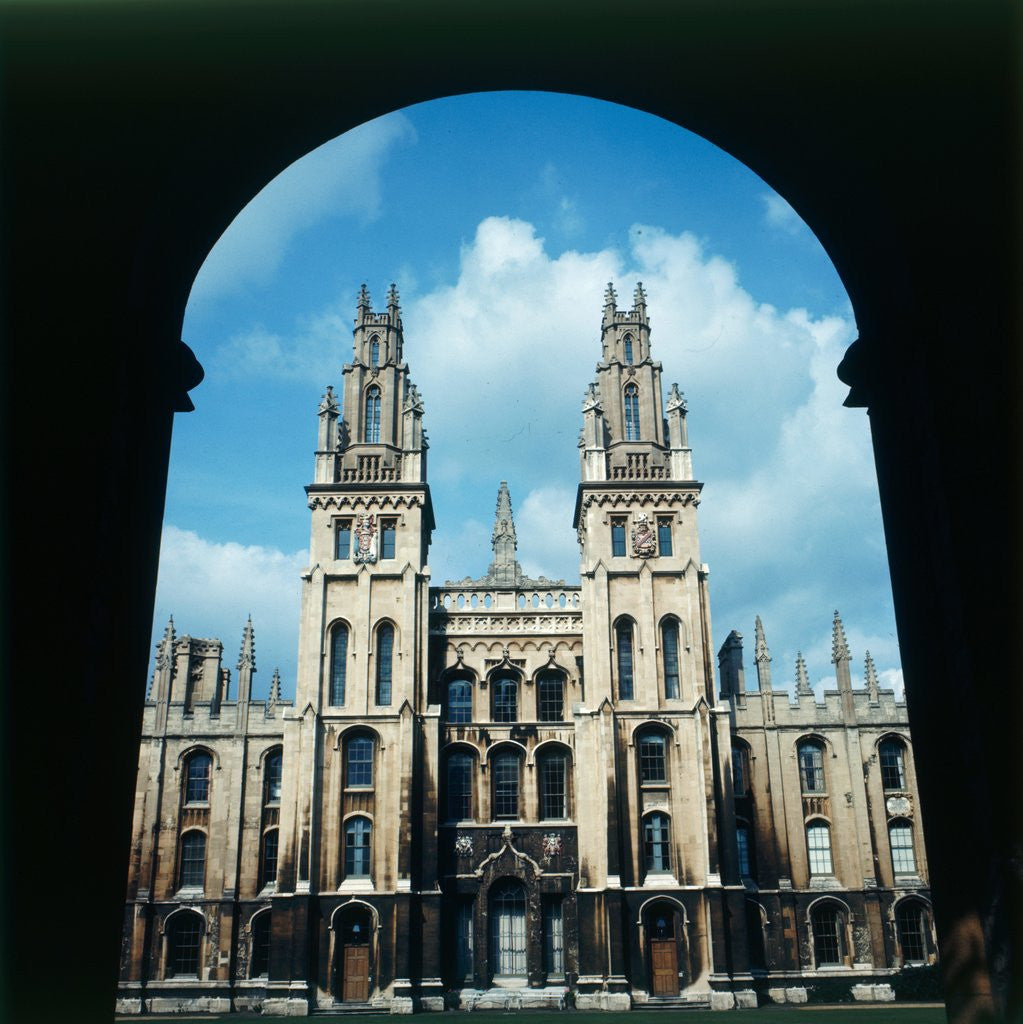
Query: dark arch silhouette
x=889 y=128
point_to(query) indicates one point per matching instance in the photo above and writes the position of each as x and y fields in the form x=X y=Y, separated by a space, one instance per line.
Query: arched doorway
x=353 y=955
x=662 y=928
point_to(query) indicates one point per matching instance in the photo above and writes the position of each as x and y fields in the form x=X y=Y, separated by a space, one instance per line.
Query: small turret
x=733 y=676
x=327 y=439
x=159 y=685
x=676 y=409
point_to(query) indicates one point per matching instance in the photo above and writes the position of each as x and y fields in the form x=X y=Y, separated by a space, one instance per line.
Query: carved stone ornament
x=463 y=845
x=365 y=539
x=898 y=806
x=644 y=545
x=552 y=844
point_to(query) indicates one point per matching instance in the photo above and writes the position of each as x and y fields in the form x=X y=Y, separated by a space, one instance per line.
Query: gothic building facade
x=504 y=791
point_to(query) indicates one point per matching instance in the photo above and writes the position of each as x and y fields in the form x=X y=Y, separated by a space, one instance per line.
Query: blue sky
x=501 y=217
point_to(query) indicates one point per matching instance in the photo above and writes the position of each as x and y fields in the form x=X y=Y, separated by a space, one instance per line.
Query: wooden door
x=664 y=966
x=355 y=979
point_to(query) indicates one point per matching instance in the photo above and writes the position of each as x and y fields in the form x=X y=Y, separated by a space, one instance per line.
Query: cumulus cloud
x=790 y=519
x=211 y=587
x=340 y=178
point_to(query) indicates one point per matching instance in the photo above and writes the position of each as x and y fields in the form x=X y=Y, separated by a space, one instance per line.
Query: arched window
x=550 y=696
x=811 y=766
x=459 y=786
x=657 y=842
x=338 y=664
x=506 y=699
x=374 y=351
x=273 y=771
x=818 y=845
x=631 y=412
x=459 y=700
x=259 y=965
x=268 y=859
x=893 y=764
x=506 y=785
x=744 y=843
x=900 y=835
x=359 y=762
x=827 y=922
x=372 y=435
x=653 y=758
x=508 y=929
x=385 y=658
x=193 y=860
x=912 y=927
x=740 y=769
x=358 y=832
x=628 y=349
x=197 y=778
x=669 y=651
x=623 y=644
x=553 y=765
x=184 y=939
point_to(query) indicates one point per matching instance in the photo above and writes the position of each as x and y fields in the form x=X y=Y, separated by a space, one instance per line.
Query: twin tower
x=509 y=792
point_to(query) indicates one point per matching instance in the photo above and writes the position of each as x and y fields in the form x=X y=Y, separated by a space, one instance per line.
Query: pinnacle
x=364 y=299
x=639 y=296
x=839 y=647
x=871 y=677
x=802 y=680
x=392 y=295
x=611 y=296
x=275 y=687
x=247 y=655
x=761 y=653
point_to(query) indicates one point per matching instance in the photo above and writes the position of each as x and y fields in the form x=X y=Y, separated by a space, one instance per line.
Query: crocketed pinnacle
x=873 y=690
x=839 y=648
x=802 y=680
x=247 y=655
x=760 y=651
x=275 y=687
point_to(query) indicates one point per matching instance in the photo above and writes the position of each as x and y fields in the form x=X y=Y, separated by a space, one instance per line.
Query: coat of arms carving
x=643 y=542
x=552 y=844
x=463 y=845
x=365 y=539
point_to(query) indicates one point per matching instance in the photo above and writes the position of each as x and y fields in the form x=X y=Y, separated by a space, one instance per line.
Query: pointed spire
x=247 y=656
x=610 y=297
x=761 y=653
x=504 y=568
x=873 y=690
x=363 y=302
x=275 y=688
x=639 y=297
x=839 y=648
x=802 y=680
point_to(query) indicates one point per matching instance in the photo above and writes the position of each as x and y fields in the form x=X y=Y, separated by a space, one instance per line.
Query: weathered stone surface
x=796 y=994
x=722 y=1001
x=746 y=999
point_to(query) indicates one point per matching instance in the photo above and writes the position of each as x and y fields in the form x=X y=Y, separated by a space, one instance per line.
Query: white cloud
x=790 y=518
x=211 y=587
x=778 y=214
x=340 y=178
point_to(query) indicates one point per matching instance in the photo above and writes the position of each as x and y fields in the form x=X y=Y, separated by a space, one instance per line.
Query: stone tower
x=348 y=843
x=659 y=736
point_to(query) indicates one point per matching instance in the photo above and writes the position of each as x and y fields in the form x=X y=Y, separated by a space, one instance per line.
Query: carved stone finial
x=506 y=653
x=392 y=296
x=610 y=297
x=247 y=655
x=676 y=400
x=761 y=653
x=364 y=301
x=328 y=403
x=165 y=648
x=802 y=680
x=639 y=297
x=839 y=648
x=275 y=688
x=873 y=690
x=591 y=399
x=504 y=570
